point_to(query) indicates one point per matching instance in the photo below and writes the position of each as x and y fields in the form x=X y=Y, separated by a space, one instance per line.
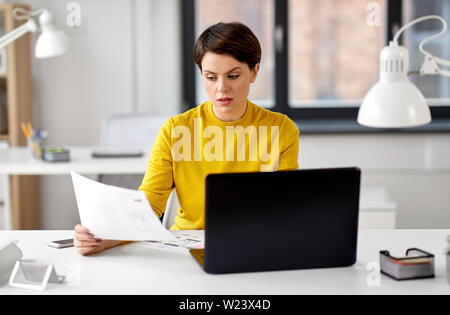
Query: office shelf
x=15 y=108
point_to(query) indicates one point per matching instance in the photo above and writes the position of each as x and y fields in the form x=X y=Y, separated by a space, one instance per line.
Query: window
x=320 y=57
x=333 y=51
x=256 y=14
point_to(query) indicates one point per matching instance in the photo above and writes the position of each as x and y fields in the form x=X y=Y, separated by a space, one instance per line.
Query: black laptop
x=281 y=220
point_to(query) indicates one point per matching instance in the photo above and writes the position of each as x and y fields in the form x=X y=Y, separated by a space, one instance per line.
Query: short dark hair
x=234 y=39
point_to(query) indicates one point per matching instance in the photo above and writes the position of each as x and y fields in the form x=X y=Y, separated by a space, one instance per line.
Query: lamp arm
x=7 y=39
x=445 y=73
x=421 y=19
x=426 y=40
x=431 y=63
x=442 y=61
x=22 y=14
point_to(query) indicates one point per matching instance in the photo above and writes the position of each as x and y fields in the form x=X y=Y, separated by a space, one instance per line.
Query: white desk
x=138 y=269
x=16 y=161
x=374 y=154
x=378 y=153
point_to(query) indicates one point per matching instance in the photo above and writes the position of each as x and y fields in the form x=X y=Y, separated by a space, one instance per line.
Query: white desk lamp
x=395 y=102
x=51 y=42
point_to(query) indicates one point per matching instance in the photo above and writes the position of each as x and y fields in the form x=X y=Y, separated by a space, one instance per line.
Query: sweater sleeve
x=158 y=182
x=290 y=136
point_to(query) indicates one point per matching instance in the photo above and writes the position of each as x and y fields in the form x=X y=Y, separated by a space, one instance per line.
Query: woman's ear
x=254 y=73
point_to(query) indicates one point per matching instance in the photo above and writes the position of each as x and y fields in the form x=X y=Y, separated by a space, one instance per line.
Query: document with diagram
x=114 y=213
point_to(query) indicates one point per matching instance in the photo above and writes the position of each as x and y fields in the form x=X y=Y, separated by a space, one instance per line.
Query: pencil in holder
x=35 y=147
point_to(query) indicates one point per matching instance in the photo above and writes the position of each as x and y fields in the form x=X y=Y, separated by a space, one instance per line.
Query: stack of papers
x=185 y=240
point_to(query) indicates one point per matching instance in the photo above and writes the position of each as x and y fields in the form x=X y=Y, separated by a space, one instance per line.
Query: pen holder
x=35 y=147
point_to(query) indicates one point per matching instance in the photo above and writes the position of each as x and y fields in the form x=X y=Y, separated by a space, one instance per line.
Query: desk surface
x=16 y=161
x=399 y=153
x=138 y=269
x=417 y=153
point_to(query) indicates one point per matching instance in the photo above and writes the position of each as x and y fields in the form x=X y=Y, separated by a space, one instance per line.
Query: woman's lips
x=224 y=101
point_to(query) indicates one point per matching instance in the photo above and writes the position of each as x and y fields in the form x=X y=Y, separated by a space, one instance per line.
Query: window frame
x=329 y=119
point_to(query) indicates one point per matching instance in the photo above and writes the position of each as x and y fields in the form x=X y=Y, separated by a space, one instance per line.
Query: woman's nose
x=222 y=85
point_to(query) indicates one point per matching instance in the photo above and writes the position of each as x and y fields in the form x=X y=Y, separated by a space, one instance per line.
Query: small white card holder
x=9 y=254
x=29 y=275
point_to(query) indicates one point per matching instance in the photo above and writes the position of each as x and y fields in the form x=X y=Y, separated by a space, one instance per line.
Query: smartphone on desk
x=61 y=243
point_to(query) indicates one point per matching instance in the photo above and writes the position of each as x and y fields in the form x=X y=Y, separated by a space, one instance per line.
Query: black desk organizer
x=417 y=264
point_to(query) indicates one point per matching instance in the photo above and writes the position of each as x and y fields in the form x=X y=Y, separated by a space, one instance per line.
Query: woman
x=226 y=134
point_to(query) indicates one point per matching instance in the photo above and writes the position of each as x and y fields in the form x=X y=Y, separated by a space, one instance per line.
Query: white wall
x=123 y=58
x=166 y=56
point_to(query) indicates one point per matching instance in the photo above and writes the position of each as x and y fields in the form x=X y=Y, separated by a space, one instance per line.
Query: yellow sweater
x=194 y=144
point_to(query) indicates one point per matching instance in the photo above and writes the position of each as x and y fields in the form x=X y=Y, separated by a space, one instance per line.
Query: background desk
x=138 y=269
x=16 y=161
x=413 y=168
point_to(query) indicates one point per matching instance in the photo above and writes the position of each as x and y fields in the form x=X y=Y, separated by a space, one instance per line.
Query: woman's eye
x=234 y=76
x=210 y=78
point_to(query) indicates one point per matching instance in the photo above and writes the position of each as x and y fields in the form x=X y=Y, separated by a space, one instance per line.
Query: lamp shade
x=394 y=102
x=394 y=105
x=51 y=42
